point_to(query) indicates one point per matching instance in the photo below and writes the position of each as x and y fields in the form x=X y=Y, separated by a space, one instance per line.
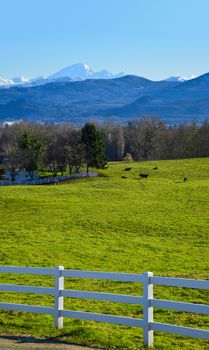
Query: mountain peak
x=20 y=80
x=176 y=78
x=82 y=71
x=181 y=79
x=77 y=71
x=5 y=82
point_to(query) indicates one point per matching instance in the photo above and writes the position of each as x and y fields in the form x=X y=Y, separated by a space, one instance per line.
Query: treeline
x=31 y=147
x=150 y=139
x=57 y=148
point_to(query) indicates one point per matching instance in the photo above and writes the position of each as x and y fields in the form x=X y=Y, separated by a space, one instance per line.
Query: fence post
x=147 y=309
x=59 y=300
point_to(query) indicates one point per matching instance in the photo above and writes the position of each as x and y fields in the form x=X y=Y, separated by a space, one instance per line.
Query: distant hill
x=122 y=99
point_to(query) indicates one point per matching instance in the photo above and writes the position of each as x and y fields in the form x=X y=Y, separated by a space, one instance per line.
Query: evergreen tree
x=32 y=148
x=94 y=146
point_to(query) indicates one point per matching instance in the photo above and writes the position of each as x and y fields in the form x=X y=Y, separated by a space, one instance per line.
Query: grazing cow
x=124 y=177
x=155 y=168
x=185 y=179
x=127 y=169
x=143 y=175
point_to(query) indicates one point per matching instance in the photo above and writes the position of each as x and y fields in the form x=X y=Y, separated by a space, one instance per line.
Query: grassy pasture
x=158 y=224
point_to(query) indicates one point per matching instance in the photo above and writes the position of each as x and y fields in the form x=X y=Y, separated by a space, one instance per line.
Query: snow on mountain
x=176 y=78
x=77 y=71
x=103 y=74
x=5 y=82
x=80 y=71
x=20 y=81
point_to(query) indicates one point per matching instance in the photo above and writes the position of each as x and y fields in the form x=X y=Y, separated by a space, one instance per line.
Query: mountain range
x=76 y=72
x=77 y=94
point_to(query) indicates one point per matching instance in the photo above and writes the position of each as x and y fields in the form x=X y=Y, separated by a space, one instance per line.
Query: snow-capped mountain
x=5 y=82
x=20 y=81
x=176 y=78
x=80 y=71
x=17 y=81
x=124 y=99
x=76 y=72
x=181 y=79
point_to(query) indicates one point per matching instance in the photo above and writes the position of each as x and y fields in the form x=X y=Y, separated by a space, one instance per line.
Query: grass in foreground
x=159 y=224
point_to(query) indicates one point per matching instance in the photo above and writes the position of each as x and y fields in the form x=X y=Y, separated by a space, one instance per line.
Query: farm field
x=158 y=224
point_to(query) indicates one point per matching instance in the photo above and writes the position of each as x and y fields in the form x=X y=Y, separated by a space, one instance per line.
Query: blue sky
x=152 y=38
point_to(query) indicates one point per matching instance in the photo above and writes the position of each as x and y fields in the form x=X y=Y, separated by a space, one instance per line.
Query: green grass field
x=159 y=224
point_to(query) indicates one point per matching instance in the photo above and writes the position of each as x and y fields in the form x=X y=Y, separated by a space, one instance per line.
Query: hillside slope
x=159 y=224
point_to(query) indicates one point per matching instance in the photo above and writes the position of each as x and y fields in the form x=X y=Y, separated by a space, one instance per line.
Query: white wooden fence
x=48 y=180
x=147 y=300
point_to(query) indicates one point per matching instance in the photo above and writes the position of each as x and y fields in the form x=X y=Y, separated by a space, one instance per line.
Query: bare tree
x=12 y=158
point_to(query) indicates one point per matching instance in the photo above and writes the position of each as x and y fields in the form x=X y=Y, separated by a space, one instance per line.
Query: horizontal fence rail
x=126 y=321
x=27 y=308
x=146 y=300
x=179 y=306
x=28 y=270
x=187 y=331
x=180 y=282
x=26 y=289
x=118 y=298
x=49 y=180
x=122 y=277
